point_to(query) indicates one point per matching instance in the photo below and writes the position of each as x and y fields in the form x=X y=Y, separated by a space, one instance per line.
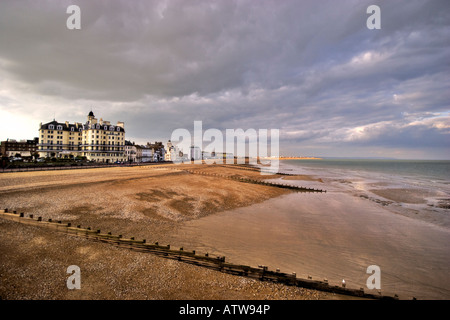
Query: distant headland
x=299 y=158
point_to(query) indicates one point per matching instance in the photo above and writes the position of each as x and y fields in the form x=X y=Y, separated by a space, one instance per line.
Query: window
x=59 y=127
x=111 y=128
x=72 y=129
x=51 y=127
x=118 y=128
x=105 y=128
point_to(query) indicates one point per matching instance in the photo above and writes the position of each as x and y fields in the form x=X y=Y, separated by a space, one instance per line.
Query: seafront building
x=169 y=151
x=158 y=151
x=22 y=148
x=130 y=151
x=173 y=153
x=97 y=140
x=195 y=153
x=151 y=152
x=147 y=154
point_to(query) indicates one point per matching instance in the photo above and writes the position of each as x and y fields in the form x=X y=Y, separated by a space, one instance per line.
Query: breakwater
x=253 y=181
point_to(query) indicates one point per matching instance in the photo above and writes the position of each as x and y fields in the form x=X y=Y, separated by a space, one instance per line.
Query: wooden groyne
x=254 y=181
x=204 y=260
x=245 y=179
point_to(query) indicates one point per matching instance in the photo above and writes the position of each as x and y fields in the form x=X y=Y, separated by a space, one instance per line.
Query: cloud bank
x=309 y=68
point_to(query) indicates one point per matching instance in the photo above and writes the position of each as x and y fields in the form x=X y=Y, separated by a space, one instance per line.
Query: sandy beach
x=150 y=202
x=333 y=235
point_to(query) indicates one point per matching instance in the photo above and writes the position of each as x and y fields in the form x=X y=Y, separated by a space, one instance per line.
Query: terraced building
x=97 y=140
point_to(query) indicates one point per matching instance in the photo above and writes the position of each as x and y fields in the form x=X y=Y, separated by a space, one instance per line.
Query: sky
x=311 y=69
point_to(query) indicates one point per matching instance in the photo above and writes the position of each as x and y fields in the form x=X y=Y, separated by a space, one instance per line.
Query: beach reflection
x=334 y=235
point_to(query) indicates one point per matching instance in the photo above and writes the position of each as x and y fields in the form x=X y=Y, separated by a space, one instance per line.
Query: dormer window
x=72 y=129
x=105 y=127
x=98 y=126
x=118 y=128
x=51 y=127
x=59 y=127
x=111 y=128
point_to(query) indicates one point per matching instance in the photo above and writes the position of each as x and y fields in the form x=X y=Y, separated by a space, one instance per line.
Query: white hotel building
x=96 y=140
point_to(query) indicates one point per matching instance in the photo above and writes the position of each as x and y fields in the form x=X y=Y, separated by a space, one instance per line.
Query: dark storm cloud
x=310 y=68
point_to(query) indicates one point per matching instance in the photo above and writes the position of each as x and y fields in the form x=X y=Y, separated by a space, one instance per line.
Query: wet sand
x=335 y=236
x=403 y=195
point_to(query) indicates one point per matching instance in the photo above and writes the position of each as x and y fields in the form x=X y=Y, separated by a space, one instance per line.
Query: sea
x=423 y=185
x=393 y=214
x=427 y=173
